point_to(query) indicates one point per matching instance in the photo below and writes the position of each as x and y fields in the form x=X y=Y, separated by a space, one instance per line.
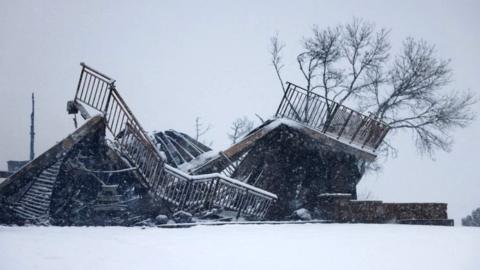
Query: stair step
x=31 y=214
x=34 y=208
x=39 y=192
x=40 y=189
x=53 y=170
x=49 y=174
x=39 y=209
x=38 y=195
x=43 y=184
x=56 y=166
x=19 y=208
x=35 y=194
x=45 y=179
x=34 y=212
x=39 y=200
x=24 y=213
x=40 y=204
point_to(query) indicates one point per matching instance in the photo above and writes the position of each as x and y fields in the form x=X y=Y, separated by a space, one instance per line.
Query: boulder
x=302 y=214
x=161 y=219
x=182 y=217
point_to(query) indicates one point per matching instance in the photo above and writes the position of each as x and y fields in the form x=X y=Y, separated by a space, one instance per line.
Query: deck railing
x=181 y=190
x=332 y=118
x=192 y=192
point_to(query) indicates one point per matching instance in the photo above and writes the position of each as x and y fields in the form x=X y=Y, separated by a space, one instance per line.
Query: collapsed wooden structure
x=163 y=183
x=110 y=171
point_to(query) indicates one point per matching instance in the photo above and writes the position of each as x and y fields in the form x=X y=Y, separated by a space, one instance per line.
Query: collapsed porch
x=179 y=174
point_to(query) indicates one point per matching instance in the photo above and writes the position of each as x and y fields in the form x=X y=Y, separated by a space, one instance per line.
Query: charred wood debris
x=302 y=165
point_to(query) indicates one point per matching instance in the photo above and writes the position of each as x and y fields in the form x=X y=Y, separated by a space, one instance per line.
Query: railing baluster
x=287 y=101
x=108 y=113
x=293 y=109
x=112 y=119
x=83 y=86
x=105 y=92
x=345 y=124
x=89 y=91
x=314 y=110
x=100 y=82
x=79 y=83
x=117 y=121
x=91 y=99
x=301 y=108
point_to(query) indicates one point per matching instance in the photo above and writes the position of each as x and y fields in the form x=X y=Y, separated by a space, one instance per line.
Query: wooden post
x=242 y=204
x=184 y=195
x=211 y=196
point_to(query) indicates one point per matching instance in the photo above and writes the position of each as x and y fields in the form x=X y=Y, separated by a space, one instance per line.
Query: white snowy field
x=307 y=246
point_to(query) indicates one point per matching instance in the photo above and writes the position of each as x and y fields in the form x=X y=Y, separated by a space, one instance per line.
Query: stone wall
x=399 y=211
x=341 y=208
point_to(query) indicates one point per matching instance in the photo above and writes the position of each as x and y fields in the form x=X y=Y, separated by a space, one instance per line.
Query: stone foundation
x=340 y=207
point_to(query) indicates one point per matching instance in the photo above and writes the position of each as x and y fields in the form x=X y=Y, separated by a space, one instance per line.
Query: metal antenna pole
x=32 y=129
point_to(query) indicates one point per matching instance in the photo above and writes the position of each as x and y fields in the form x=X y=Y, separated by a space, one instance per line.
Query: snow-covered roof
x=179 y=148
x=249 y=140
x=298 y=125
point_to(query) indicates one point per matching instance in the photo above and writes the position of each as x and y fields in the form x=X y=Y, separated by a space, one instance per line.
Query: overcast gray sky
x=176 y=60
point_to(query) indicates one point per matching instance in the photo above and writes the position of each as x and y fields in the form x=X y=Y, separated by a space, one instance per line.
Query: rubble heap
x=303 y=164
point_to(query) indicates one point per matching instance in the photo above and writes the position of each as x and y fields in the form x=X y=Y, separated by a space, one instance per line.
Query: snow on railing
x=330 y=117
x=193 y=192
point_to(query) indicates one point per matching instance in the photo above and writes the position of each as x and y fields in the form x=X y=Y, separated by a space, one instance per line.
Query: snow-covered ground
x=307 y=246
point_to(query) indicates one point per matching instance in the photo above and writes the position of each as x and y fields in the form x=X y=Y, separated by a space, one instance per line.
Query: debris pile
x=303 y=165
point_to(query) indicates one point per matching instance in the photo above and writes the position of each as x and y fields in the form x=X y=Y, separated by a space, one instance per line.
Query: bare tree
x=411 y=98
x=352 y=64
x=239 y=128
x=316 y=63
x=200 y=128
x=276 y=52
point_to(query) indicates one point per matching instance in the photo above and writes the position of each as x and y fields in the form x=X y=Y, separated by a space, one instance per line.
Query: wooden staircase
x=35 y=203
